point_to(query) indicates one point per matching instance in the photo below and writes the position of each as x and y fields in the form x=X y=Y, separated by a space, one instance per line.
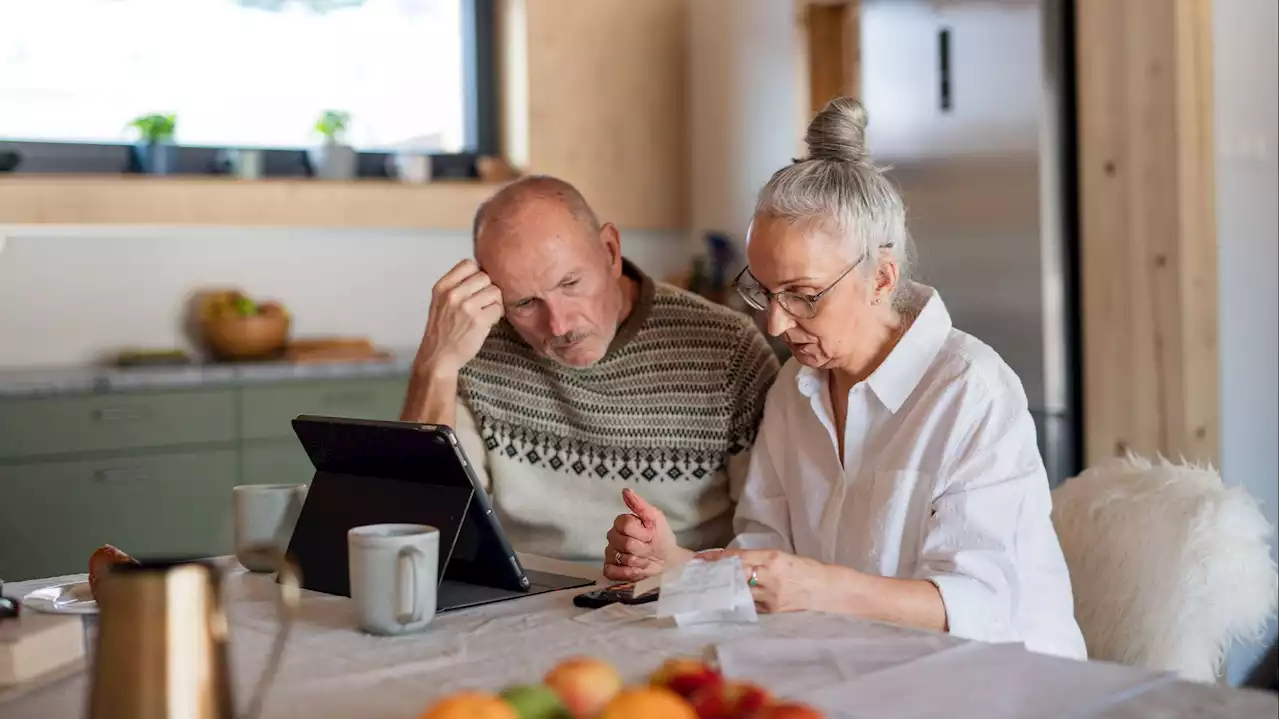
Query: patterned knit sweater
x=670 y=411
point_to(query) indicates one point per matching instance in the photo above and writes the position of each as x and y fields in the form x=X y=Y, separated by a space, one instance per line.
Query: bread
x=101 y=560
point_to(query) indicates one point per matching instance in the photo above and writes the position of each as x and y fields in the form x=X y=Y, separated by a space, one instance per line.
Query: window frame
x=480 y=123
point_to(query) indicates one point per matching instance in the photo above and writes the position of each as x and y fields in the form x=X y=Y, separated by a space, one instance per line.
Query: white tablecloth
x=331 y=669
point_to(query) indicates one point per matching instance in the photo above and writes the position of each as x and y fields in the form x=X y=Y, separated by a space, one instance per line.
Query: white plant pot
x=334 y=162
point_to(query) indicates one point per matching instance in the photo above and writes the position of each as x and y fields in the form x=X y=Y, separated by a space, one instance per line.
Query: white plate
x=69 y=598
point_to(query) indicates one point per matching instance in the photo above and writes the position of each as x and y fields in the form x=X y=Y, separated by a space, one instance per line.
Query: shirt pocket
x=897 y=515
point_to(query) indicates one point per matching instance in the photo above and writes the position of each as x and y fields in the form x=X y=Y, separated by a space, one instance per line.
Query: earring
x=876 y=301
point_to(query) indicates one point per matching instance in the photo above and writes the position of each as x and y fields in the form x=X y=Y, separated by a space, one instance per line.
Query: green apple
x=246 y=307
x=535 y=701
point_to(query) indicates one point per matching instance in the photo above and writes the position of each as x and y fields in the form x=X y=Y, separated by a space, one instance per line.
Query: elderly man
x=568 y=374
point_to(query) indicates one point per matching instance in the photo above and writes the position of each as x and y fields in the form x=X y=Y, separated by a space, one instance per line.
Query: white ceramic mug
x=245 y=164
x=264 y=514
x=394 y=572
x=409 y=167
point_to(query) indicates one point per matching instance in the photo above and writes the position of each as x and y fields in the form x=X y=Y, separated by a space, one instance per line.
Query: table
x=332 y=670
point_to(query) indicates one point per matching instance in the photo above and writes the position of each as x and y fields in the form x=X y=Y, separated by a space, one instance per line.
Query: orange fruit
x=648 y=703
x=470 y=705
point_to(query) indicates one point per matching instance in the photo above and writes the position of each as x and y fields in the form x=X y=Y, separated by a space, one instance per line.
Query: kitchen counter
x=148 y=457
x=89 y=379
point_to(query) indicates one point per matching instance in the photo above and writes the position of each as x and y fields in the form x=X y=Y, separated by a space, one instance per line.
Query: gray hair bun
x=838 y=132
x=838 y=188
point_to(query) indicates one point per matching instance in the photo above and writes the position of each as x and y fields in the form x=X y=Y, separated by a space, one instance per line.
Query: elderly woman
x=895 y=475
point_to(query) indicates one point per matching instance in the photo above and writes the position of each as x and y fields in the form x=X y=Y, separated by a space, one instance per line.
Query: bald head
x=558 y=267
x=497 y=216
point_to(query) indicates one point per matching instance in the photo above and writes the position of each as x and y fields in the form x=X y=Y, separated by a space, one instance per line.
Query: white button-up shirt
x=940 y=480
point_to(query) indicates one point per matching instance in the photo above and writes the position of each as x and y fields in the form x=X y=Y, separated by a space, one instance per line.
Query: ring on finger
x=618 y=560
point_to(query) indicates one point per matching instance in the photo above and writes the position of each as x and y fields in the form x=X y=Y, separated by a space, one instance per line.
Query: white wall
x=745 y=103
x=1245 y=80
x=69 y=294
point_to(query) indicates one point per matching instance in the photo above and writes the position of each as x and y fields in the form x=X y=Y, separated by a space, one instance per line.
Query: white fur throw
x=1167 y=565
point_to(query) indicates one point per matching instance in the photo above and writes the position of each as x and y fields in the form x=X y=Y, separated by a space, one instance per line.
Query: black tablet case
x=370 y=472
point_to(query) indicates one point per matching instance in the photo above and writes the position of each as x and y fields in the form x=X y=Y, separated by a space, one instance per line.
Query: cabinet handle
x=121 y=474
x=347 y=398
x=120 y=414
x=944 y=69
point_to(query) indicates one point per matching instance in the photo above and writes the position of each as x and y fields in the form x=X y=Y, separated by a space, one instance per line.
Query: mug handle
x=287 y=608
x=409 y=557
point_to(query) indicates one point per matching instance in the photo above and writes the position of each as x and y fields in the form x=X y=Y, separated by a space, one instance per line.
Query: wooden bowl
x=255 y=337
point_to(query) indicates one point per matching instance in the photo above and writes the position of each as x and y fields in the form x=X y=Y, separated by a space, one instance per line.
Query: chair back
x=1168 y=566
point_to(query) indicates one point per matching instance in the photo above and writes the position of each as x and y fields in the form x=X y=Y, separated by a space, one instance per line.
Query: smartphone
x=614 y=594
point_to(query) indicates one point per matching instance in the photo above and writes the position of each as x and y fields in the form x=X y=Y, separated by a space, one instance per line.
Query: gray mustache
x=567 y=339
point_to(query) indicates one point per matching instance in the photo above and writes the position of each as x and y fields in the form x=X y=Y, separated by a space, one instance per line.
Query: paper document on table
x=702 y=592
x=616 y=613
x=987 y=681
x=795 y=668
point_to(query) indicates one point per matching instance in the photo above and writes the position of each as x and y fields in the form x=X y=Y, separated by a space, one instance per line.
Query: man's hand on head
x=465 y=305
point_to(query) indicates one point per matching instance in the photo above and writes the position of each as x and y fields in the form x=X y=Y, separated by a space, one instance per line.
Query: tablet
x=375 y=472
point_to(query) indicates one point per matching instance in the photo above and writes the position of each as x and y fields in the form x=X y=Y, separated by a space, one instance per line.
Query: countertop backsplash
x=48 y=381
x=72 y=295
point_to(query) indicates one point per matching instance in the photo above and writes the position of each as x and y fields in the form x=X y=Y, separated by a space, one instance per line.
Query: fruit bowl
x=588 y=688
x=246 y=338
x=233 y=327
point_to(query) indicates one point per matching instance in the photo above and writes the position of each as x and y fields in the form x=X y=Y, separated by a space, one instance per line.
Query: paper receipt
x=701 y=591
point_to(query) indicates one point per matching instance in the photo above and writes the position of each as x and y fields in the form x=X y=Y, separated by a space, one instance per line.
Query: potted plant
x=334 y=160
x=155 y=142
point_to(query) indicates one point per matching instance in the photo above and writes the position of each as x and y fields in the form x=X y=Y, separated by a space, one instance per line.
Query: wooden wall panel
x=853 y=48
x=222 y=201
x=1148 y=239
x=831 y=40
x=606 y=104
x=827 y=57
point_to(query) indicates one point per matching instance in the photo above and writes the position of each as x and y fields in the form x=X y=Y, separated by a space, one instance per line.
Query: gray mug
x=264 y=515
x=394 y=573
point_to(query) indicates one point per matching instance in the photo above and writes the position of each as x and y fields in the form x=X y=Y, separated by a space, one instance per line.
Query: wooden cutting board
x=333 y=349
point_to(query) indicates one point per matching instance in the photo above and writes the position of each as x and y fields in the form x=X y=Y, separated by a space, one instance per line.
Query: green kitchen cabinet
x=151 y=471
x=266 y=411
x=111 y=422
x=54 y=514
x=274 y=462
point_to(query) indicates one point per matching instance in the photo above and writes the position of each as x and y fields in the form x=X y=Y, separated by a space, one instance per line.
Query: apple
x=685 y=677
x=789 y=711
x=585 y=685
x=535 y=701
x=746 y=699
x=710 y=703
x=729 y=700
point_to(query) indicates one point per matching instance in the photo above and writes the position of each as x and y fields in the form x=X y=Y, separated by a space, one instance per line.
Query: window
x=411 y=74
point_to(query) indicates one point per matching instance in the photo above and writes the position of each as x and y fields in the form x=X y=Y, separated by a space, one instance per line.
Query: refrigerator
x=971 y=106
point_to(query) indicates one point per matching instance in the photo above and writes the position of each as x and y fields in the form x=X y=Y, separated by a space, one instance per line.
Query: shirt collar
x=640 y=311
x=900 y=373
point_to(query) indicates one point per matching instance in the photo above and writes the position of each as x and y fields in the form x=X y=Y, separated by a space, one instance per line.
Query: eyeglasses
x=800 y=306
